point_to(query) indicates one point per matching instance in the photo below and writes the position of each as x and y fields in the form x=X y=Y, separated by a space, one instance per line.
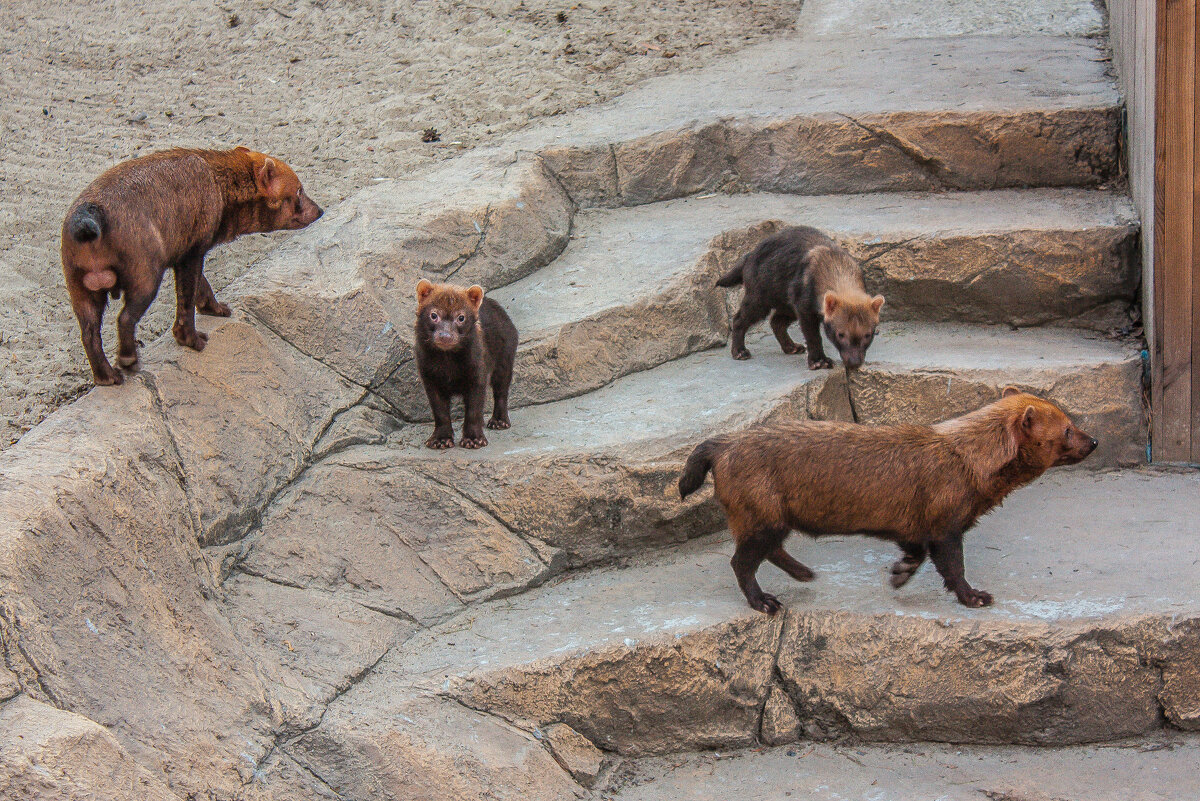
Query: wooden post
x=1175 y=366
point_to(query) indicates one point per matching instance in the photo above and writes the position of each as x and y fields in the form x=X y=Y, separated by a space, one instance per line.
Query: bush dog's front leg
x=906 y=567
x=810 y=326
x=443 y=427
x=473 y=400
x=187 y=281
x=947 y=557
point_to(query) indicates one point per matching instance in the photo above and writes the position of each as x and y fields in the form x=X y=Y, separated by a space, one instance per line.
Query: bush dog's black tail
x=86 y=223
x=698 y=465
x=734 y=276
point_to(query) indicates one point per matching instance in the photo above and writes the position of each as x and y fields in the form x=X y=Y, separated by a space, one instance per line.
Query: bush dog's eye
x=1067 y=435
x=433 y=317
x=462 y=318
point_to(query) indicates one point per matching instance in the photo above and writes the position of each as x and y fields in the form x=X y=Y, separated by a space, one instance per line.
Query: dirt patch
x=345 y=91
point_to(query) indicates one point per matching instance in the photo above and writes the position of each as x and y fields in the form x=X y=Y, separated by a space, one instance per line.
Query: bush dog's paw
x=741 y=355
x=128 y=362
x=793 y=349
x=473 y=442
x=111 y=378
x=498 y=425
x=767 y=604
x=189 y=337
x=902 y=571
x=439 y=443
x=820 y=364
x=974 y=598
x=215 y=309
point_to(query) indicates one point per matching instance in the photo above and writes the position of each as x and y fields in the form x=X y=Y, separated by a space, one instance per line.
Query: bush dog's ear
x=241 y=149
x=1028 y=418
x=1010 y=391
x=831 y=304
x=267 y=177
x=877 y=303
x=424 y=287
x=475 y=295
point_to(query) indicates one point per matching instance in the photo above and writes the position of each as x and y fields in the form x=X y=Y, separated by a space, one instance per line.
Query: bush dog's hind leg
x=89 y=310
x=187 y=281
x=906 y=566
x=750 y=312
x=751 y=550
x=139 y=294
x=473 y=400
x=784 y=561
x=501 y=380
x=947 y=557
x=206 y=299
x=780 y=320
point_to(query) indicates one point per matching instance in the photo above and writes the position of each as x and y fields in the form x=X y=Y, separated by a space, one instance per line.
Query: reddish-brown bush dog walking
x=799 y=273
x=165 y=211
x=921 y=487
x=464 y=343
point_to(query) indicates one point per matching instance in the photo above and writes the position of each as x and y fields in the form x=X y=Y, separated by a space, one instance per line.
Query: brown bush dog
x=799 y=273
x=166 y=211
x=921 y=487
x=464 y=342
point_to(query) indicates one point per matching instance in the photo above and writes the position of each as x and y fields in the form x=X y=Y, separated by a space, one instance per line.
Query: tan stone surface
x=575 y=753
x=46 y=753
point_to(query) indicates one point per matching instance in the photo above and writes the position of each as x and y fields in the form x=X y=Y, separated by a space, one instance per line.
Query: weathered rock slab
x=47 y=753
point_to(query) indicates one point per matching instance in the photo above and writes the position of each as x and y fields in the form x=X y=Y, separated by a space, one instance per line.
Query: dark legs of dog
x=137 y=300
x=947 y=557
x=500 y=382
x=206 y=299
x=89 y=310
x=784 y=561
x=810 y=326
x=443 y=428
x=751 y=550
x=780 y=320
x=473 y=400
x=187 y=279
x=906 y=567
x=749 y=313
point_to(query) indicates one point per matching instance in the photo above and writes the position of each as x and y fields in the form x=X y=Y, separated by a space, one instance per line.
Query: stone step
x=662 y=654
x=419 y=534
x=635 y=287
x=1159 y=768
x=855 y=114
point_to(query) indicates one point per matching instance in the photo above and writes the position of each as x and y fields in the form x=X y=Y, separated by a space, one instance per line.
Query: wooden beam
x=1175 y=408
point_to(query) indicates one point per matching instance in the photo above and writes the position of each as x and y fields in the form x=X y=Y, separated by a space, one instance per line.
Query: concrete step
x=857 y=114
x=419 y=534
x=662 y=654
x=634 y=287
x=1159 y=768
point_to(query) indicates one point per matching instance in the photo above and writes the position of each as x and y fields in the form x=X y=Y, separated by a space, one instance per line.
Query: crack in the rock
x=573 y=204
x=447 y=270
x=311 y=772
x=179 y=469
x=776 y=673
x=942 y=176
x=400 y=615
x=886 y=249
x=14 y=636
x=850 y=397
x=616 y=176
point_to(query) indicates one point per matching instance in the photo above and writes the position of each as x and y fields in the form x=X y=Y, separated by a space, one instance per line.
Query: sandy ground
x=341 y=90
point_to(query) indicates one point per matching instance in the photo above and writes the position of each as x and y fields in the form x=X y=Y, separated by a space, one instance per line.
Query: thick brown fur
x=921 y=487
x=165 y=211
x=464 y=342
x=801 y=274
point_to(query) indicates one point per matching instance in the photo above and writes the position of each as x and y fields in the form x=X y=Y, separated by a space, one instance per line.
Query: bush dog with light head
x=464 y=342
x=165 y=211
x=799 y=273
x=921 y=487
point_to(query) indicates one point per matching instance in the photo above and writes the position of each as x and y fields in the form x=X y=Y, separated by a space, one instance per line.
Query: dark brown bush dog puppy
x=165 y=211
x=464 y=342
x=799 y=273
x=921 y=487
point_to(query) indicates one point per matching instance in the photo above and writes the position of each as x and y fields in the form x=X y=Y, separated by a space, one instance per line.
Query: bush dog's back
x=918 y=486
